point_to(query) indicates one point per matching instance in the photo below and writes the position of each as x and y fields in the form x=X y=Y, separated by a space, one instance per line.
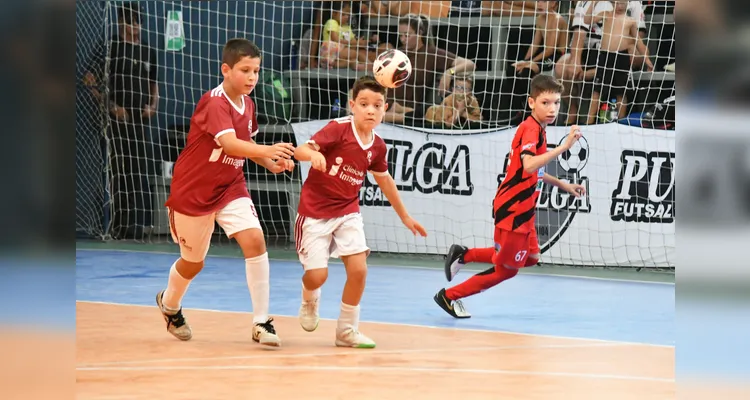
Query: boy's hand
x=281 y=165
x=649 y=64
x=575 y=189
x=573 y=136
x=414 y=226
x=279 y=150
x=120 y=113
x=318 y=161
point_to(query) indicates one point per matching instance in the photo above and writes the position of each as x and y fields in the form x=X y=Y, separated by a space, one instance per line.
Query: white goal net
x=448 y=129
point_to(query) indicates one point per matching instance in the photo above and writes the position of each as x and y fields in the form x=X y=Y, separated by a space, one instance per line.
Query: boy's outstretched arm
x=533 y=163
x=572 y=188
x=388 y=186
x=276 y=167
x=309 y=152
x=235 y=147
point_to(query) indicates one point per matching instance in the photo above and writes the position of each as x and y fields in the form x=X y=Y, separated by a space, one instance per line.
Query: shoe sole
x=166 y=319
x=313 y=329
x=449 y=261
x=268 y=343
x=356 y=346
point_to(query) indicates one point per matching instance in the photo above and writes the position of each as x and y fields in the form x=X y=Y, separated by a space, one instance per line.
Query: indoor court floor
x=536 y=336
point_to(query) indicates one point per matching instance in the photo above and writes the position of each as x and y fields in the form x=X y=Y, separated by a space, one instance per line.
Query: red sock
x=480 y=282
x=483 y=255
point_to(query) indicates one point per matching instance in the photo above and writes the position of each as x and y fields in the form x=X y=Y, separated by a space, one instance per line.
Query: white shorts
x=193 y=234
x=317 y=240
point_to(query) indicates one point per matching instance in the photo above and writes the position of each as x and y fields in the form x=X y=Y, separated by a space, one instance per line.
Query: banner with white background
x=448 y=182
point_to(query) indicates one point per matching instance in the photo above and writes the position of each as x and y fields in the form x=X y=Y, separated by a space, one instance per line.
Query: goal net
x=448 y=130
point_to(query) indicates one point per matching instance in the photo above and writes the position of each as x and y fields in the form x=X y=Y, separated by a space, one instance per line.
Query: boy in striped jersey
x=514 y=206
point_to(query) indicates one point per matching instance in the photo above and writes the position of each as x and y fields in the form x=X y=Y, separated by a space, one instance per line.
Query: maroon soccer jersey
x=205 y=179
x=515 y=200
x=335 y=193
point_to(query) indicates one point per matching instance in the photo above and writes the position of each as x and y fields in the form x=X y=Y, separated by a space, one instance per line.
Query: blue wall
x=186 y=75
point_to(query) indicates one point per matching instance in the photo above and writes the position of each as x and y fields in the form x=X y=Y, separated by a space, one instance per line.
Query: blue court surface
x=613 y=310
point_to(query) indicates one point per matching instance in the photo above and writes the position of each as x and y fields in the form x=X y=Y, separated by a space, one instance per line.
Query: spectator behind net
x=340 y=48
x=620 y=40
x=549 y=45
x=428 y=63
x=132 y=102
x=460 y=108
x=578 y=68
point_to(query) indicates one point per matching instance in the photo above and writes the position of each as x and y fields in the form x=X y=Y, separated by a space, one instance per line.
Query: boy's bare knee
x=251 y=242
x=189 y=269
x=356 y=267
x=315 y=278
x=357 y=274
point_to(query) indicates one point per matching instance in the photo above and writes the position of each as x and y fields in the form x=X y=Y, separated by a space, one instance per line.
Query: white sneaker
x=176 y=323
x=351 y=338
x=308 y=315
x=265 y=334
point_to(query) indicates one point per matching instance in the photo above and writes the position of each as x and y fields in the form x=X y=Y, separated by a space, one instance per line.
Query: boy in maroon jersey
x=328 y=220
x=208 y=185
x=516 y=244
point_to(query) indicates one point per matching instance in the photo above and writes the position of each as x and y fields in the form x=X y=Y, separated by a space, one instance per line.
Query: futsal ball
x=392 y=68
x=574 y=159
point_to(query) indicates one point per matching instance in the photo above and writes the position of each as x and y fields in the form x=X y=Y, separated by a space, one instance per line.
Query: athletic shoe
x=454 y=261
x=176 y=324
x=351 y=338
x=265 y=334
x=308 y=315
x=454 y=308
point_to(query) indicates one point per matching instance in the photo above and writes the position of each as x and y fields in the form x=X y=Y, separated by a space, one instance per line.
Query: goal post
x=446 y=157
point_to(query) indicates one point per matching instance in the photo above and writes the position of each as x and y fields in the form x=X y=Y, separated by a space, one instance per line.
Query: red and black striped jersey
x=515 y=201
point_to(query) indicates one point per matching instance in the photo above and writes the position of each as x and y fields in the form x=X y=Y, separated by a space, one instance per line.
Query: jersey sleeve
x=530 y=141
x=218 y=118
x=582 y=7
x=325 y=138
x=379 y=164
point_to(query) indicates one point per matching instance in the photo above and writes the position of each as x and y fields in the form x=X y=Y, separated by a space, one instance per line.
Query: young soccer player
x=328 y=221
x=514 y=206
x=208 y=185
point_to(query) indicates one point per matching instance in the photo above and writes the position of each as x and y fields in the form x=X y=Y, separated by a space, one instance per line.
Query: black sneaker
x=264 y=333
x=454 y=260
x=454 y=308
x=176 y=324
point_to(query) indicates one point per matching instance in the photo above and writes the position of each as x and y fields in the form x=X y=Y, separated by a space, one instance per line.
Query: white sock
x=257 y=272
x=309 y=295
x=349 y=317
x=176 y=288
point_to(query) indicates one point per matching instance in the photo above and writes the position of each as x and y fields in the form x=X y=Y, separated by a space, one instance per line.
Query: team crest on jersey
x=369 y=156
x=250 y=126
x=555 y=209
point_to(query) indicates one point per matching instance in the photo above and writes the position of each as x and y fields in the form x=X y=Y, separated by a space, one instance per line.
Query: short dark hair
x=129 y=13
x=545 y=84
x=237 y=49
x=340 y=5
x=369 y=83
